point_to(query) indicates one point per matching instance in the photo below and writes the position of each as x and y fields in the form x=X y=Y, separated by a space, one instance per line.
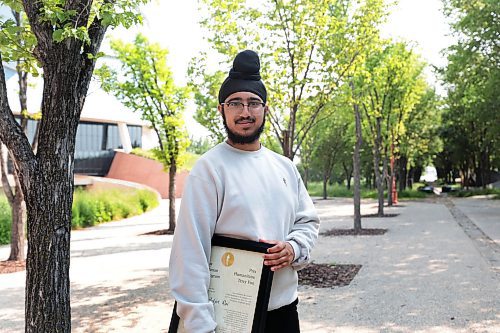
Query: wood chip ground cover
x=328 y=275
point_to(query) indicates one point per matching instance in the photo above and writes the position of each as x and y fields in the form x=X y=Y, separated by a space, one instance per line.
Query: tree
x=68 y=36
x=205 y=86
x=146 y=84
x=331 y=140
x=356 y=160
x=306 y=48
x=420 y=142
x=392 y=83
x=472 y=76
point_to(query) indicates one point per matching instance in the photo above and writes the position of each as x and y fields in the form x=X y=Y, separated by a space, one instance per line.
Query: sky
x=174 y=25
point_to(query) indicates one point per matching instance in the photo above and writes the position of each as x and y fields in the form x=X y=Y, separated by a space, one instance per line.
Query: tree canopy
x=146 y=85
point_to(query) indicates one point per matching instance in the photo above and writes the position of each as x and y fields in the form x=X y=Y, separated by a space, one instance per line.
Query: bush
x=94 y=207
x=481 y=191
x=91 y=208
x=408 y=194
x=5 y=220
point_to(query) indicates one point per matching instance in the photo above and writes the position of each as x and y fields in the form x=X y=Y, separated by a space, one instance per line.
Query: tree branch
x=307 y=128
x=42 y=30
x=83 y=10
x=309 y=61
x=96 y=34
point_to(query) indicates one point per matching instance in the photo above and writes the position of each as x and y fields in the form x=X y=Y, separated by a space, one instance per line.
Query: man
x=243 y=190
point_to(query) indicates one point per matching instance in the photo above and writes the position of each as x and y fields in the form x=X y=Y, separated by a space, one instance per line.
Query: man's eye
x=233 y=104
x=254 y=104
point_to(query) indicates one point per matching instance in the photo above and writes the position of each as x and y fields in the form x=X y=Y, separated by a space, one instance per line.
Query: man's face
x=245 y=125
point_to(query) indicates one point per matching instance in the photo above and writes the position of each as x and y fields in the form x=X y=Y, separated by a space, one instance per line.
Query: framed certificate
x=240 y=286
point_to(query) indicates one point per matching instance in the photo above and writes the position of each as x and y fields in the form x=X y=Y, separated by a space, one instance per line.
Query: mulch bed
x=159 y=232
x=352 y=232
x=328 y=276
x=12 y=266
x=376 y=215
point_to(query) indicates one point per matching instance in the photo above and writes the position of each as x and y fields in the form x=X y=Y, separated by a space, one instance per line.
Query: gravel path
x=424 y=275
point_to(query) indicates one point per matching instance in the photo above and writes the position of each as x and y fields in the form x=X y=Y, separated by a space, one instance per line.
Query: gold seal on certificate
x=240 y=286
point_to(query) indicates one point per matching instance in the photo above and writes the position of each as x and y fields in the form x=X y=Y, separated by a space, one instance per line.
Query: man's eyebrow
x=236 y=99
x=239 y=99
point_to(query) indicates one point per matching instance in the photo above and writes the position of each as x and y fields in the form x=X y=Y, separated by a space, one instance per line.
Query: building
x=106 y=125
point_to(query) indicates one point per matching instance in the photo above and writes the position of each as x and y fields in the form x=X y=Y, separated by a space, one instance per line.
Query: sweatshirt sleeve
x=305 y=229
x=188 y=269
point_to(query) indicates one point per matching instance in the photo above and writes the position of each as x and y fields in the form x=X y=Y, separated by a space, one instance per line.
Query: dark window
x=135 y=135
x=95 y=144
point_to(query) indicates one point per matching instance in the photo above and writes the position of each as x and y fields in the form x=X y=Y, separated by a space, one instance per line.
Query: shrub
x=94 y=207
x=477 y=191
x=5 y=220
x=408 y=194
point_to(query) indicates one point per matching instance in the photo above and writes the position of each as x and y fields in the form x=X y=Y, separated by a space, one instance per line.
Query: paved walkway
x=425 y=275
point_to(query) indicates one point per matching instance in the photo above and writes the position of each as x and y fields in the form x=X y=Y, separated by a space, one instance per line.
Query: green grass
x=315 y=189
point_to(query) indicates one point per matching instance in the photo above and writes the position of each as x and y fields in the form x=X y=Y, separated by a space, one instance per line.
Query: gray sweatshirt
x=242 y=194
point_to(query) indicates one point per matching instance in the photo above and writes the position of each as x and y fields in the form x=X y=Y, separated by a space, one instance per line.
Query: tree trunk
x=49 y=202
x=325 y=184
x=49 y=199
x=388 y=177
x=16 y=201
x=389 y=190
x=287 y=150
x=171 y=194
x=356 y=159
x=348 y=175
x=402 y=167
x=17 y=231
x=376 y=168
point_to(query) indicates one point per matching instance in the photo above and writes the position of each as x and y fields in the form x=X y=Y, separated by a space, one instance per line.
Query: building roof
x=99 y=106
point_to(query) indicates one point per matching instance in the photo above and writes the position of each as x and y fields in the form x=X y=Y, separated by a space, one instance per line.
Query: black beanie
x=244 y=76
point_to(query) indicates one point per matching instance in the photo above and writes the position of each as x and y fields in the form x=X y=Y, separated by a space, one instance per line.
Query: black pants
x=284 y=319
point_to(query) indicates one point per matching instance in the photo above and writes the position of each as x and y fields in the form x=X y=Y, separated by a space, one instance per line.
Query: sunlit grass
x=315 y=189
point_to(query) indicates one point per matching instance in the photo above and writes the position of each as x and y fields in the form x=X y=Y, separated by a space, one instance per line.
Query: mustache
x=249 y=118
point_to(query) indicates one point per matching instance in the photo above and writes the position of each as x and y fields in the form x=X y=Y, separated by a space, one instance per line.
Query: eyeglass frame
x=242 y=105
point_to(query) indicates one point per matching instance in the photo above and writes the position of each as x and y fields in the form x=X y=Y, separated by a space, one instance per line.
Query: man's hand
x=278 y=256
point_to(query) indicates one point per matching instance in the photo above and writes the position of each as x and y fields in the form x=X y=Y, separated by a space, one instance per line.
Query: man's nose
x=245 y=111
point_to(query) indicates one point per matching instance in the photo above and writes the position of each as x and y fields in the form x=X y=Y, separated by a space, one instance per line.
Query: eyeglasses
x=239 y=106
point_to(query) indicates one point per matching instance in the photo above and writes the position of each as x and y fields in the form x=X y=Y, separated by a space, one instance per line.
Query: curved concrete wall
x=145 y=171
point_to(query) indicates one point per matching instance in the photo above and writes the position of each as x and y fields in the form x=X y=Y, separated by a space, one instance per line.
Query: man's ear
x=266 y=109
x=219 y=108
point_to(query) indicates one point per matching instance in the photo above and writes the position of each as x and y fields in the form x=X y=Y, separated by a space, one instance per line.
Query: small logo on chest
x=284 y=181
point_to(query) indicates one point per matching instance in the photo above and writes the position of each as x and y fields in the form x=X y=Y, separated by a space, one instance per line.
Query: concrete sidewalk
x=424 y=275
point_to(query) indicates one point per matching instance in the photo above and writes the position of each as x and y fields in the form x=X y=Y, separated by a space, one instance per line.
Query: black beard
x=243 y=139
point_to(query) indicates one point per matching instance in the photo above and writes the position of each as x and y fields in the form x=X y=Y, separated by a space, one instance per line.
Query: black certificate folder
x=240 y=286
